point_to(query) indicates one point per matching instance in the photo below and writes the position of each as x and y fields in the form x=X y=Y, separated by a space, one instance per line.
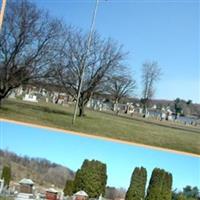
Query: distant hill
x=40 y=170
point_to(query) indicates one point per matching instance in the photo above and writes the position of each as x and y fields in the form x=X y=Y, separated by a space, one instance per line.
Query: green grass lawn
x=150 y=132
x=6 y=198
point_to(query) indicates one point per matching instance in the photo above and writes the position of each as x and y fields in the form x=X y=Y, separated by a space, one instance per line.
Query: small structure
x=81 y=195
x=51 y=194
x=26 y=190
x=26 y=186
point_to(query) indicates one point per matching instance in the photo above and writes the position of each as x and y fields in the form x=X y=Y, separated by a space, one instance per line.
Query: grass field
x=149 y=132
x=6 y=198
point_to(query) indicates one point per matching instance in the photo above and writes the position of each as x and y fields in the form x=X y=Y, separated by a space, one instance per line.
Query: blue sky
x=163 y=30
x=166 y=31
x=70 y=150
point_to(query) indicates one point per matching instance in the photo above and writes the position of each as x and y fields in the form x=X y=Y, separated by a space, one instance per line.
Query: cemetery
x=102 y=103
x=26 y=189
x=132 y=128
x=59 y=74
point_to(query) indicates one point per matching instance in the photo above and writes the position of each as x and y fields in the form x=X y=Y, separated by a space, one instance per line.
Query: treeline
x=42 y=163
x=186 y=107
x=188 y=193
x=92 y=179
x=40 y=170
x=178 y=106
x=115 y=193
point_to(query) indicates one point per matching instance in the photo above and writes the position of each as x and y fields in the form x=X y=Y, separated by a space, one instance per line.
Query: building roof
x=52 y=190
x=26 y=181
x=81 y=193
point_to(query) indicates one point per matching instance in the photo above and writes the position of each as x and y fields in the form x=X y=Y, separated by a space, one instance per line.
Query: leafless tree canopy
x=115 y=193
x=151 y=73
x=121 y=86
x=34 y=47
x=103 y=59
x=28 y=41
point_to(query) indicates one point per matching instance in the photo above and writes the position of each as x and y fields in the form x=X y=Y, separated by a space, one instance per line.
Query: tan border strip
x=3 y=6
x=101 y=137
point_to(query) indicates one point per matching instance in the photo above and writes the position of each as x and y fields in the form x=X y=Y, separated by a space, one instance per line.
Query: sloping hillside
x=39 y=170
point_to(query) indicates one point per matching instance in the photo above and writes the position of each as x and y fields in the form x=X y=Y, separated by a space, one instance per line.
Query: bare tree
x=104 y=57
x=151 y=73
x=28 y=41
x=115 y=193
x=121 y=86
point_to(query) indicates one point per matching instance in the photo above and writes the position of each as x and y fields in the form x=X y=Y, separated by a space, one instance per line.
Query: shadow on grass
x=4 y=109
x=16 y=107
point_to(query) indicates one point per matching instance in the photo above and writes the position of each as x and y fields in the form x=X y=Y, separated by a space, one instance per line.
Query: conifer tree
x=136 y=190
x=6 y=175
x=166 y=191
x=159 y=185
x=91 y=178
x=69 y=188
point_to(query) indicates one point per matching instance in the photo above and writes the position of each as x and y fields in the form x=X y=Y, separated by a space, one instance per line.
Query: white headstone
x=1 y=185
x=31 y=98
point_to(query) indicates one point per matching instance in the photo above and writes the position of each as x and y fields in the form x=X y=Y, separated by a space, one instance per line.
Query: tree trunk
x=81 y=107
x=1 y=102
x=81 y=110
x=116 y=109
x=4 y=93
x=144 y=111
x=82 y=103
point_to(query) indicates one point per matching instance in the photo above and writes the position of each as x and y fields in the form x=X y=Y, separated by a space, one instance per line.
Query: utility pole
x=87 y=51
x=3 y=6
